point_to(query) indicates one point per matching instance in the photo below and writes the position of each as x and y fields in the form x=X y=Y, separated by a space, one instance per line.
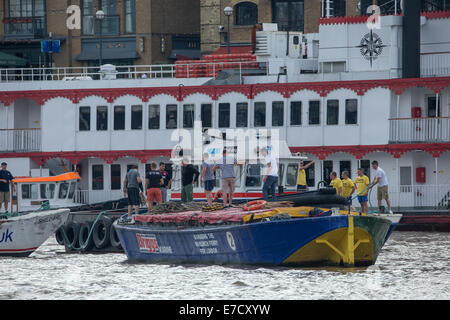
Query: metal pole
x=228 y=36
x=101 y=42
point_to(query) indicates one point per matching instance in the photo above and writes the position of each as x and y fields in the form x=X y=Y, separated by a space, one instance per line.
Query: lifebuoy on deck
x=254 y=205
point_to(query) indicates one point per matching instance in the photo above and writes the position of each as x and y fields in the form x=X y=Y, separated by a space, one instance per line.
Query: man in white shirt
x=271 y=177
x=381 y=180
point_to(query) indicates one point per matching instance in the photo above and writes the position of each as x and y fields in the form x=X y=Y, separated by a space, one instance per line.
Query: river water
x=412 y=265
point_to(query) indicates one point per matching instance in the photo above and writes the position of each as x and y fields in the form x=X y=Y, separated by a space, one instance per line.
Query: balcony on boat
x=415 y=130
x=20 y=140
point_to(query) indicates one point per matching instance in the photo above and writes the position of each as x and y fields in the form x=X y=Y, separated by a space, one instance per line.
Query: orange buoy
x=254 y=205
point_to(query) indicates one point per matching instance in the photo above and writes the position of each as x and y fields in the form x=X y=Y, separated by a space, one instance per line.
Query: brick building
x=134 y=32
x=290 y=15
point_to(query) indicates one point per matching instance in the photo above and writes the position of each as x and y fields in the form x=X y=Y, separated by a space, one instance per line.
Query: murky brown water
x=412 y=265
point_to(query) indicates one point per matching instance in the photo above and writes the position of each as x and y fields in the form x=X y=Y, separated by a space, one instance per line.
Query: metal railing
x=435 y=65
x=96 y=196
x=189 y=70
x=20 y=140
x=419 y=130
x=419 y=196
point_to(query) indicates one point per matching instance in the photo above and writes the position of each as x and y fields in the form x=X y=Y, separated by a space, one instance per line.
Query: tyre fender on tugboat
x=101 y=232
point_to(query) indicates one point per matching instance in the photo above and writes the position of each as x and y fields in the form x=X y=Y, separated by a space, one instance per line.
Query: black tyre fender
x=101 y=232
x=71 y=229
x=327 y=191
x=59 y=236
x=113 y=237
x=83 y=234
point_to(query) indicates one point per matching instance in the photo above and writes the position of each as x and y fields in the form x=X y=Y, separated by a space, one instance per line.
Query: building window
x=351 y=111
x=171 y=116
x=314 y=112
x=289 y=14
x=102 y=118
x=260 y=114
x=115 y=177
x=339 y=8
x=153 y=116
x=206 y=115
x=97 y=177
x=277 y=114
x=188 y=116
x=119 y=118
x=130 y=16
x=111 y=23
x=85 y=119
x=242 y=115
x=332 y=112
x=88 y=17
x=47 y=191
x=136 y=117
x=296 y=113
x=365 y=4
x=246 y=14
x=224 y=115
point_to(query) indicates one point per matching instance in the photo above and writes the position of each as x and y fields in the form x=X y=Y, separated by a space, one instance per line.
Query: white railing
x=96 y=196
x=417 y=196
x=190 y=70
x=435 y=65
x=20 y=140
x=420 y=130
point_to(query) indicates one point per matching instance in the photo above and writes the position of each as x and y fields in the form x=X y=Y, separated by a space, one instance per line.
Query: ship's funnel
x=411 y=39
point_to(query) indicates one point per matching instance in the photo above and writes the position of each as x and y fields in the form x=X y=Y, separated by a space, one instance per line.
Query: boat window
x=206 y=115
x=365 y=166
x=85 y=119
x=119 y=118
x=153 y=116
x=171 y=116
x=345 y=166
x=332 y=112
x=242 y=115
x=253 y=178
x=63 y=190
x=351 y=111
x=136 y=117
x=296 y=113
x=310 y=174
x=277 y=114
x=47 y=191
x=115 y=177
x=224 y=115
x=72 y=189
x=188 y=115
x=238 y=175
x=30 y=191
x=97 y=177
x=314 y=112
x=405 y=179
x=102 y=118
x=260 y=114
x=327 y=169
x=291 y=175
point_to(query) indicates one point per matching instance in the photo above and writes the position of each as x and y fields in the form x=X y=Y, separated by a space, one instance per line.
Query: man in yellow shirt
x=348 y=187
x=336 y=183
x=301 y=179
x=362 y=183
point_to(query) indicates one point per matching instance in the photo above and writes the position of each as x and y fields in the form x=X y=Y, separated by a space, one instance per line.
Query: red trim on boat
x=18 y=250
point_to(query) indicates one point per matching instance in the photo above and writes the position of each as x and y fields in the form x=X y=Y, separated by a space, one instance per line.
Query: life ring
x=83 y=239
x=114 y=238
x=101 y=232
x=254 y=205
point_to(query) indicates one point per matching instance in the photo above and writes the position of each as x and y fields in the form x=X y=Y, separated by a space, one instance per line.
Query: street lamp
x=100 y=15
x=228 y=11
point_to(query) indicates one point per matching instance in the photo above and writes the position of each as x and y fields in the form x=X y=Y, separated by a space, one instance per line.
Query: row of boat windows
x=253 y=174
x=46 y=191
x=296 y=112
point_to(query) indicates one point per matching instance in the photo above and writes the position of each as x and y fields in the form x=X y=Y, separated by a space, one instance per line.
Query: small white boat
x=20 y=236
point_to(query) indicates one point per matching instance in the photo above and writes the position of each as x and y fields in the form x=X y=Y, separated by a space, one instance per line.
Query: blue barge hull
x=333 y=240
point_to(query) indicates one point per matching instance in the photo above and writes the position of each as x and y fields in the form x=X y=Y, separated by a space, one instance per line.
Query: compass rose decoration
x=371 y=46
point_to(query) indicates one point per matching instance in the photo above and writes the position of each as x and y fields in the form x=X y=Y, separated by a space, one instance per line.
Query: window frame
x=157 y=107
x=332 y=112
x=245 y=8
x=347 y=120
x=256 y=105
x=310 y=105
x=88 y=119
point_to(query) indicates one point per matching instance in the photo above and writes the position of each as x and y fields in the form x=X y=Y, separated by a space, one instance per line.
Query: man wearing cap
x=5 y=180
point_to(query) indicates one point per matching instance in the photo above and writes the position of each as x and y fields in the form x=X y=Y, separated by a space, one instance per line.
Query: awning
x=184 y=54
x=60 y=178
x=119 y=48
x=9 y=60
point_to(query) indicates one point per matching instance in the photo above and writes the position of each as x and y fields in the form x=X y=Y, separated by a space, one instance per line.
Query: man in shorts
x=362 y=183
x=167 y=181
x=153 y=182
x=383 y=187
x=228 y=177
x=5 y=180
x=271 y=177
x=207 y=176
x=131 y=186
